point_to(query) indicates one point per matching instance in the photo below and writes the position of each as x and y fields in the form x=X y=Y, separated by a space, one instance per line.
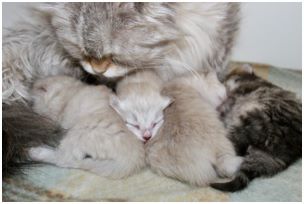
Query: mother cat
x=106 y=39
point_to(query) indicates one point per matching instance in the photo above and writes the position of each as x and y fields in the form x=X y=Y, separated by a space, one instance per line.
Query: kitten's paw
x=44 y=154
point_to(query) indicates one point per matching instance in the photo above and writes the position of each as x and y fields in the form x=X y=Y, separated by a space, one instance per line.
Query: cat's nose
x=147 y=135
x=101 y=65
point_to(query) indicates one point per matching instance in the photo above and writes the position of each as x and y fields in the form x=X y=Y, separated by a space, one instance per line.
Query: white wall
x=270 y=33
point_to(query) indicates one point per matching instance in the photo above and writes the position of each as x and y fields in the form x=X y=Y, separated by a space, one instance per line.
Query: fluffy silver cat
x=191 y=145
x=140 y=103
x=111 y=39
x=114 y=38
x=96 y=139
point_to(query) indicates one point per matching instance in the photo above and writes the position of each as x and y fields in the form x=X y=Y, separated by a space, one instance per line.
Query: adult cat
x=110 y=39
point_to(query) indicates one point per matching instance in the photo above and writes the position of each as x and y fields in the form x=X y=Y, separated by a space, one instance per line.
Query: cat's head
x=112 y=39
x=142 y=114
x=238 y=75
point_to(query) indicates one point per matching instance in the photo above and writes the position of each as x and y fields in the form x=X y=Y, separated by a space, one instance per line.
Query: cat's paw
x=44 y=154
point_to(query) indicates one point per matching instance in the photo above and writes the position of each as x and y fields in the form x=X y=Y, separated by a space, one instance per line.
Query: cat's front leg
x=43 y=154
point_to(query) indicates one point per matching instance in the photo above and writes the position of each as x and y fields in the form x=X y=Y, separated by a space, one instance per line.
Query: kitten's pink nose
x=147 y=135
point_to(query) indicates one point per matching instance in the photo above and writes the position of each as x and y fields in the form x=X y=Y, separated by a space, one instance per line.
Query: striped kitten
x=264 y=123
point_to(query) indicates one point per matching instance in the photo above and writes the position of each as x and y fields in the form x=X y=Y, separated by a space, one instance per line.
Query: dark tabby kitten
x=264 y=123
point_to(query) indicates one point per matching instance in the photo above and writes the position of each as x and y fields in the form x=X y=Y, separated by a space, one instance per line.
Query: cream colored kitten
x=191 y=145
x=96 y=139
x=140 y=103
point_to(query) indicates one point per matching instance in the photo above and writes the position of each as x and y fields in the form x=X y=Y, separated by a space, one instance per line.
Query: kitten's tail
x=22 y=128
x=257 y=163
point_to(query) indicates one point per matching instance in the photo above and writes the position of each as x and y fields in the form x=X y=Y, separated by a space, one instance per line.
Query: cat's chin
x=115 y=72
x=88 y=68
x=110 y=73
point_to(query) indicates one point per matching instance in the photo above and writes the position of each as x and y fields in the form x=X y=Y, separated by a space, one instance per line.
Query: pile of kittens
x=193 y=128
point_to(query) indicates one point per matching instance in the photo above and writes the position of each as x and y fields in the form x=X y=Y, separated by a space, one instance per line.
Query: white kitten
x=140 y=103
x=96 y=139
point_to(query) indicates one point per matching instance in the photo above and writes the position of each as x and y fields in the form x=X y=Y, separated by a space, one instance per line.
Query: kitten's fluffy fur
x=96 y=139
x=191 y=145
x=265 y=125
x=140 y=103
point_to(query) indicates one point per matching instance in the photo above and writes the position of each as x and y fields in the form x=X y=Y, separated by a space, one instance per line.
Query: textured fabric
x=50 y=183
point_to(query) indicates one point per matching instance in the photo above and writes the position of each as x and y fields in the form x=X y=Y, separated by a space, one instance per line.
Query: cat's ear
x=48 y=8
x=247 y=68
x=133 y=6
x=115 y=103
x=61 y=9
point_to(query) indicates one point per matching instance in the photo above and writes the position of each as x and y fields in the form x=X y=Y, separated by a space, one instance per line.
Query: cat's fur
x=140 y=103
x=264 y=123
x=96 y=138
x=172 y=38
x=191 y=145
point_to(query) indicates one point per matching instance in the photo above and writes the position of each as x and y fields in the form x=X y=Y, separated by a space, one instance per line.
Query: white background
x=270 y=33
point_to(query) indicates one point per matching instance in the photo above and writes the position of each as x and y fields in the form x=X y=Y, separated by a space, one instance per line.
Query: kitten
x=140 y=103
x=96 y=139
x=264 y=123
x=191 y=145
x=112 y=39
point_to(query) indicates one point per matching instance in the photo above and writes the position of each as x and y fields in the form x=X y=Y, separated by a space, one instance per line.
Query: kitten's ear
x=167 y=102
x=42 y=87
x=247 y=68
x=115 y=103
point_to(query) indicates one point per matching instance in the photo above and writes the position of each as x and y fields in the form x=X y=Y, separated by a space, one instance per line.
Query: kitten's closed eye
x=87 y=156
x=133 y=125
x=159 y=120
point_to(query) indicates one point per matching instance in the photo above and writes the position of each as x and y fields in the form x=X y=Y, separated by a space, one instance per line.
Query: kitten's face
x=144 y=115
x=114 y=38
